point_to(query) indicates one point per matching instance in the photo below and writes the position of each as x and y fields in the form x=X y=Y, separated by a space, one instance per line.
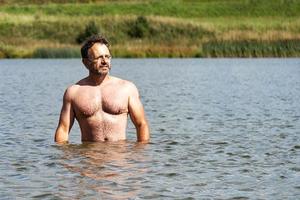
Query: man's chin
x=100 y=72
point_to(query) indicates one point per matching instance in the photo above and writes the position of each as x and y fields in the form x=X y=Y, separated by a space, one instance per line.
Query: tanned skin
x=101 y=103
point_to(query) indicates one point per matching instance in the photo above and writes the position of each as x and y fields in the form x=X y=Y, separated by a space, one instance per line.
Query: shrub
x=139 y=28
x=90 y=29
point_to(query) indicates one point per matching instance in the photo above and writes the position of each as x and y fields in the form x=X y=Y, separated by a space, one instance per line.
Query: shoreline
x=222 y=49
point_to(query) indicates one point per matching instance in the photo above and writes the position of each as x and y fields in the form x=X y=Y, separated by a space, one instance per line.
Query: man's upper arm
x=137 y=114
x=66 y=119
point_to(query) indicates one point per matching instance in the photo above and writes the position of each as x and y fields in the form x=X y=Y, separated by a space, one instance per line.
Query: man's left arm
x=137 y=115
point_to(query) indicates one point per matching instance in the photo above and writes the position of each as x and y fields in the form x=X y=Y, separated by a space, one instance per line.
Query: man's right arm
x=137 y=115
x=66 y=119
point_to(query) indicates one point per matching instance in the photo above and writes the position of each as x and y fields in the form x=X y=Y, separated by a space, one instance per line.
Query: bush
x=139 y=28
x=90 y=29
x=9 y=51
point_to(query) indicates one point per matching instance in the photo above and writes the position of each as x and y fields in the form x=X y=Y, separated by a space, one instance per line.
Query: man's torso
x=101 y=111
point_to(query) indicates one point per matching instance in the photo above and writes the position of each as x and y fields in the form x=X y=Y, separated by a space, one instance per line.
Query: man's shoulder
x=74 y=87
x=123 y=83
x=71 y=91
x=128 y=87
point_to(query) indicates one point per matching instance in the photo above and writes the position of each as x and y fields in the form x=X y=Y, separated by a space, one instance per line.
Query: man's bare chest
x=88 y=103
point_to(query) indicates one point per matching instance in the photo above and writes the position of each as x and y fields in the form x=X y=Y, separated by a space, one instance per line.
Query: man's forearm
x=61 y=136
x=143 y=132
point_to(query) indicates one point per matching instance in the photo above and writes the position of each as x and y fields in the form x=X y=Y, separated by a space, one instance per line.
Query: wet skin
x=101 y=103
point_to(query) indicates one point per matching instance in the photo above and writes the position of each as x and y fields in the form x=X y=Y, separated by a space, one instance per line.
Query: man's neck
x=98 y=79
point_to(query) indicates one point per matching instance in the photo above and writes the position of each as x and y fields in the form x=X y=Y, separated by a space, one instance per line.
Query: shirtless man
x=100 y=102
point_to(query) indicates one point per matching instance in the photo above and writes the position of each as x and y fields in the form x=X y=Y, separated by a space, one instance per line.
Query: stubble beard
x=101 y=71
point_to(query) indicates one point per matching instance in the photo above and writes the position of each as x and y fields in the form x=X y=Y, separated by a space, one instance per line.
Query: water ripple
x=221 y=129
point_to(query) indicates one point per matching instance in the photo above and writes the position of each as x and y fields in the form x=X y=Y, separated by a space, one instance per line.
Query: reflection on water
x=105 y=167
x=221 y=129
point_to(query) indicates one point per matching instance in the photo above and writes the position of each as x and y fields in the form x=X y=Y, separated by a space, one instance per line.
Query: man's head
x=96 y=55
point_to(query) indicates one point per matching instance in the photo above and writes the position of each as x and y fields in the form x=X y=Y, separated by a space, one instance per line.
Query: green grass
x=173 y=8
x=168 y=28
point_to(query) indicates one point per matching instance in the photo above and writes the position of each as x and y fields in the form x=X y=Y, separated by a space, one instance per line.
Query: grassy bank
x=178 y=28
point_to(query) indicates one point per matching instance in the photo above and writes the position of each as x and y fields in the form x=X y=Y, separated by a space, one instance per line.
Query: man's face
x=98 y=61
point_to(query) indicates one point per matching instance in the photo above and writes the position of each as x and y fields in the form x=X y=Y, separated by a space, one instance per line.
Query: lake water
x=220 y=129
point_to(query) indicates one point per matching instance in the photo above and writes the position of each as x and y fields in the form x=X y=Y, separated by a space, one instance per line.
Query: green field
x=152 y=28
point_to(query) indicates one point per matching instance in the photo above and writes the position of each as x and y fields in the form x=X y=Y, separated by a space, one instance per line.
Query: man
x=100 y=102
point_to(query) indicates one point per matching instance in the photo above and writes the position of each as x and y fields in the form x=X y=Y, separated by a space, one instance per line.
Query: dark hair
x=90 y=42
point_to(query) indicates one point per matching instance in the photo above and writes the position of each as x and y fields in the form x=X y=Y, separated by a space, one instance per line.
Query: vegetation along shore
x=151 y=28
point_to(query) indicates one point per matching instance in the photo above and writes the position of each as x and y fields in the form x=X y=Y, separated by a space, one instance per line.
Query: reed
x=252 y=48
x=56 y=53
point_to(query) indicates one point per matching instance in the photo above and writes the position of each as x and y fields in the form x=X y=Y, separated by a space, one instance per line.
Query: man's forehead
x=99 y=49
